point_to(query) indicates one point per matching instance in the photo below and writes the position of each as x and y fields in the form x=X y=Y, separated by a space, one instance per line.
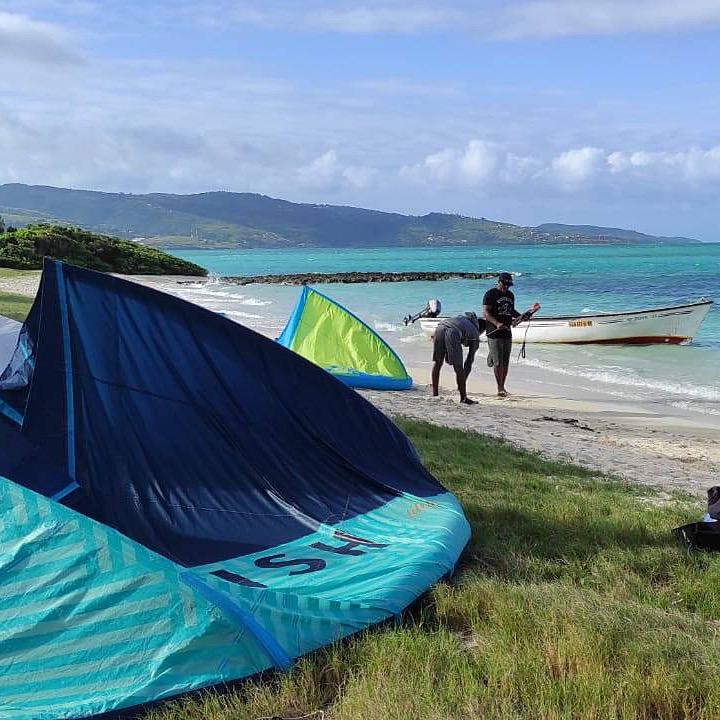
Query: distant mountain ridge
x=235 y=220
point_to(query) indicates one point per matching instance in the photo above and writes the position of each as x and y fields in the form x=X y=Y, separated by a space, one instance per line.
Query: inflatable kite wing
x=326 y=333
x=184 y=502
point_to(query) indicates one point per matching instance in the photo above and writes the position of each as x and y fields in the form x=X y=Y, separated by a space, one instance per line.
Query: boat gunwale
x=697 y=304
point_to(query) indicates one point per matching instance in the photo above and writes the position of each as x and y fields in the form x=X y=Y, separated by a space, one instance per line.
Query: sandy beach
x=651 y=443
x=633 y=442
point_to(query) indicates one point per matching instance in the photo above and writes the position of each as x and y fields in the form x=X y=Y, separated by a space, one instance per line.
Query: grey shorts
x=499 y=351
x=447 y=346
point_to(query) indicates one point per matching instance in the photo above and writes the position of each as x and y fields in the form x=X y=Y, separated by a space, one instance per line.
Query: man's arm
x=487 y=312
x=469 y=360
x=519 y=317
x=516 y=315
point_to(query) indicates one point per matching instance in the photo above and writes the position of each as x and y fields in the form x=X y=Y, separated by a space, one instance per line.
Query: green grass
x=15 y=306
x=572 y=601
x=12 y=273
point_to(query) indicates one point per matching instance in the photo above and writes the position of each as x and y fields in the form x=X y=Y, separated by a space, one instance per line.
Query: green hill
x=595 y=231
x=24 y=249
x=232 y=220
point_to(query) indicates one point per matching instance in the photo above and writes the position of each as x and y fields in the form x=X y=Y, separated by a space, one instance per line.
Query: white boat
x=669 y=325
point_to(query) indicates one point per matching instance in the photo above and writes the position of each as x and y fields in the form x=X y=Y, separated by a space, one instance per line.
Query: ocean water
x=565 y=279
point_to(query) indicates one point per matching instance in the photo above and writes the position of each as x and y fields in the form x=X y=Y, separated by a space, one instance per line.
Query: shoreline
x=648 y=442
x=632 y=441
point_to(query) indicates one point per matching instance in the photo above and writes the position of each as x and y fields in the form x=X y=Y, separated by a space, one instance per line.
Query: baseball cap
x=505 y=278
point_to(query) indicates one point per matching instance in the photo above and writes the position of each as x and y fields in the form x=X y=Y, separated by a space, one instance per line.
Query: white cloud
x=336 y=17
x=475 y=164
x=577 y=166
x=322 y=171
x=325 y=172
x=505 y=20
x=479 y=163
x=519 y=169
x=42 y=43
x=359 y=177
x=509 y=20
x=493 y=167
x=374 y=19
x=690 y=166
x=557 y=18
x=439 y=167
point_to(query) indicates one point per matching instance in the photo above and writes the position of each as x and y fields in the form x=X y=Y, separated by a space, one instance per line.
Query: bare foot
x=503 y=393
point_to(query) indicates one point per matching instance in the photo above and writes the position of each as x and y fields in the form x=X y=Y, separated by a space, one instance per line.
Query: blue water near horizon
x=565 y=279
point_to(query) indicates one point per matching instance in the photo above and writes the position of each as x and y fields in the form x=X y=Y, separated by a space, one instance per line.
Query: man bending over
x=450 y=335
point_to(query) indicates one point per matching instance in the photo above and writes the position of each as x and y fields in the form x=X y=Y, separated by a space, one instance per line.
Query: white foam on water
x=254 y=301
x=414 y=338
x=387 y=327
x=240 y=313
x=209 y=292
x=624 y=394
x=617 y=375
x=687 y=405
x=193 y=286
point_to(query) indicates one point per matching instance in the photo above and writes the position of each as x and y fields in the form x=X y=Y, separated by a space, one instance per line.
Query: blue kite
x=184 y=502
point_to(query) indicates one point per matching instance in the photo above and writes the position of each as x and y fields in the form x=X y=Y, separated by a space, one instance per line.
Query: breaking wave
x=626 y=377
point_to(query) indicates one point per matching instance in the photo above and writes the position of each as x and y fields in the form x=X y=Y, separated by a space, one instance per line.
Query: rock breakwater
x=355 y=277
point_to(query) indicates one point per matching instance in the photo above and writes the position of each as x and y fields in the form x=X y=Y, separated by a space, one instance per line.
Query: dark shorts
x=499 y=351
x=447 y=346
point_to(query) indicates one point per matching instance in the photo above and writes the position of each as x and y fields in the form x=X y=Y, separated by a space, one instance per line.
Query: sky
x=526 y=111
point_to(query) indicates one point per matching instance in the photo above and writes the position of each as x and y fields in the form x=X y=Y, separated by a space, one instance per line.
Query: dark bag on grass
x=699 y=535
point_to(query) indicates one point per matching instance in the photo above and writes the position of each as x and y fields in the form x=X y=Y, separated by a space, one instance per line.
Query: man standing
x=450 y=335
x=500 y=315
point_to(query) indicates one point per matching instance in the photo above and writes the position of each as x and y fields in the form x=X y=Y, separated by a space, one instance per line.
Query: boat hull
x=667 y=326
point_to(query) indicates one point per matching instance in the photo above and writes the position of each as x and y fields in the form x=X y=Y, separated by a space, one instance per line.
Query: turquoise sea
x=565 y=279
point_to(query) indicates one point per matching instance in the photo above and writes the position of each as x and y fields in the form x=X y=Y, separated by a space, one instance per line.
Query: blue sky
x=527 y=111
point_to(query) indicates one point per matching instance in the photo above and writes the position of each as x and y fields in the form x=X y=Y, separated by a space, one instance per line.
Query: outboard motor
x=434 y=307
x=431 y=310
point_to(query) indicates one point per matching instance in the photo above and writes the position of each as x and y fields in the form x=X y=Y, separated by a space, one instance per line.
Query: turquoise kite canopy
x=93 y=621
x=184 y=502
x=329 y=335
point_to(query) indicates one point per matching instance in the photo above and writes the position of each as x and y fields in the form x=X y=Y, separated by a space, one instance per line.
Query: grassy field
x=12 y=305
x=12 y=273
x=572 y=601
